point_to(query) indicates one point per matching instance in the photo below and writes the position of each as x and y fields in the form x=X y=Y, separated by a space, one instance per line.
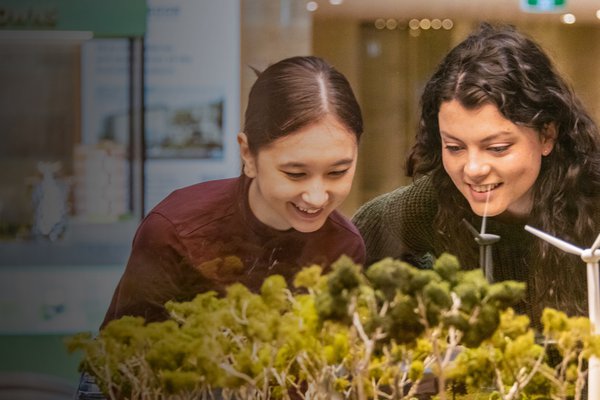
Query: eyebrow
x=292 y=164
x=489 y=138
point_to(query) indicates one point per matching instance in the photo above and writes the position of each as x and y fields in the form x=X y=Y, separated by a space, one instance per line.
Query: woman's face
x=299 y=179
x=490 y=159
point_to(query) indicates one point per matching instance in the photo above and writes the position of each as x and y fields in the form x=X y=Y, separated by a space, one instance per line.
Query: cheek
x=451 y=167
x=528 y=176
x=272 y=186
x=342 y=188
x=281 y=192
x=526 y=165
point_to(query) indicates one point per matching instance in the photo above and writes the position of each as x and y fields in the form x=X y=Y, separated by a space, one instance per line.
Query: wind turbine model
x=591 y=257
x=485 y=242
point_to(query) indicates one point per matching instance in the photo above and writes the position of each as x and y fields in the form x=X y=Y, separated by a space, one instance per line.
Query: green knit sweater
x=400 y=224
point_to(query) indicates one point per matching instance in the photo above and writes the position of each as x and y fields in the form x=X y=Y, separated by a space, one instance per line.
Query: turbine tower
x=591 y=257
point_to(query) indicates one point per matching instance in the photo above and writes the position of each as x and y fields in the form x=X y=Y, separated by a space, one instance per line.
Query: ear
x=248 y=158
x=549 y=136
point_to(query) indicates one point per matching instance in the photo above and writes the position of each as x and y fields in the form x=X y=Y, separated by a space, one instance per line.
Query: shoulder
x=339 y=222
x=400 y=222
x=419 y=189
x=198 y=205
x=348 y=240
x=417 y=199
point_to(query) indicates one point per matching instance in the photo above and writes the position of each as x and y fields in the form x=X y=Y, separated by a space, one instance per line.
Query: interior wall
x=389 y=68
x=576 y=53
x=343 y=53
x=270 y=31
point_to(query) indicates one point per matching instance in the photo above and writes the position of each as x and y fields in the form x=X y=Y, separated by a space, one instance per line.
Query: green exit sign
x=542 y=5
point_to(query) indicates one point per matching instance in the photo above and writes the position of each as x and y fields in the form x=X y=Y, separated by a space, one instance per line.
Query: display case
x=70 y=184
x=106 y=107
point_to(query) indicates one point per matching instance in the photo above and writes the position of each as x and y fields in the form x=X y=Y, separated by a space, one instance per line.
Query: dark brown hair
x=296 y=92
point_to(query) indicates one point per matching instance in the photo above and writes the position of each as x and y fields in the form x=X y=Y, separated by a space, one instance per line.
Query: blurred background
x=107 y=106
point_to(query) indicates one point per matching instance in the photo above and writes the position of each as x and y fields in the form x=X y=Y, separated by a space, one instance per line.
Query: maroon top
x=185 y=245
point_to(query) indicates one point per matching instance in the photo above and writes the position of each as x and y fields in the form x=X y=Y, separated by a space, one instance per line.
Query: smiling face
x=491 y=159
x=299 y=179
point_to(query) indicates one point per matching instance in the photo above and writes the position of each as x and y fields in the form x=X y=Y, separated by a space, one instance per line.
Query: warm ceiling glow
x=425 y=24
x=568 y=18
x=380 y=23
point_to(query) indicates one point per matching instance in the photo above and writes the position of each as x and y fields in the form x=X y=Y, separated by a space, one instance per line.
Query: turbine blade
x=471 y=228
x=596 y=244
x=561 y=244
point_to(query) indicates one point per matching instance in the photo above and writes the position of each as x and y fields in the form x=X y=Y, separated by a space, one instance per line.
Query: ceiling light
x=336 y=2
x=413 y=24
x=568 y=18
x=447 y=24
x=425 y=24
x=312 y=6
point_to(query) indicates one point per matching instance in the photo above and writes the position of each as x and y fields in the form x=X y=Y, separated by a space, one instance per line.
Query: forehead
x=487 y=117
x=326 y=141
x=322 y=135
x=483 y=124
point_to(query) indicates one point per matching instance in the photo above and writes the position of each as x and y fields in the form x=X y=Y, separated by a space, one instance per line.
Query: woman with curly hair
x=501 y=134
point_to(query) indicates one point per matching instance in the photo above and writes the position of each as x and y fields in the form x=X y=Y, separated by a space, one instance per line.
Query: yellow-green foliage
x=348 y=334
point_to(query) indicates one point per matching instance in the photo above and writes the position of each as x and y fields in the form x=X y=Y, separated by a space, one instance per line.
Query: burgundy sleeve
x=360 y=253
x=152 y=274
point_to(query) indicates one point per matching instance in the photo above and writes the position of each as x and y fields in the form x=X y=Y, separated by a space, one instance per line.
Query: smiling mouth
x=484 y=188
x=309 y=211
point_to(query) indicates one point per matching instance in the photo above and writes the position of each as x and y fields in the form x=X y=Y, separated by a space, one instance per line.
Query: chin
x=308 y=228
x=480 y=211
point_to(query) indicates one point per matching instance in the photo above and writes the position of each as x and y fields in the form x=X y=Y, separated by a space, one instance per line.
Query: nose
x=315 y=194
x=476 y=166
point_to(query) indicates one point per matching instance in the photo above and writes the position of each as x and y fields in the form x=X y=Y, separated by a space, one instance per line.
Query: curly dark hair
x=499 y=65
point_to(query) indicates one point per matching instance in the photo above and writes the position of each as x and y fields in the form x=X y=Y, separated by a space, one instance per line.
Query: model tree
x=347 y=334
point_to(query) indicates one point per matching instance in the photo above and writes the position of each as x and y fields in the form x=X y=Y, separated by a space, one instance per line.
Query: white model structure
x=591 y=257
x=485 y=242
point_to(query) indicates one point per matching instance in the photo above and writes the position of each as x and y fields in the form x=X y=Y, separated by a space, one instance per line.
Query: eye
x=339 y=173
x=452 y=148
x=295 y=175
x=499 y=149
